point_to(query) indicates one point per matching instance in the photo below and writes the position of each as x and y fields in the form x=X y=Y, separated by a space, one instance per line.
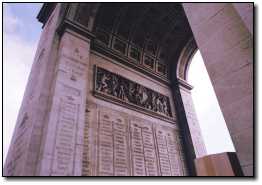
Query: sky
x=211 y=121
x=21 y=32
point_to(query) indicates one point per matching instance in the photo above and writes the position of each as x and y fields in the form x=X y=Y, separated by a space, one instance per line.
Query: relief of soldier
x=103 y=81
x=129 y=91
x=122 y=93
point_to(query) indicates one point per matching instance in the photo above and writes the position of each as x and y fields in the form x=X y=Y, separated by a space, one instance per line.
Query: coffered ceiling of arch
x=164 y=25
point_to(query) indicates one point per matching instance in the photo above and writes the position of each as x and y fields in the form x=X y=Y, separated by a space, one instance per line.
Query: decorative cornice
x=45 y=12
x=71 y=25
x=185 y=84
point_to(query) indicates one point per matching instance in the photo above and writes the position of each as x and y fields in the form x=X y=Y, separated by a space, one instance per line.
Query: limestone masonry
x=108 y=94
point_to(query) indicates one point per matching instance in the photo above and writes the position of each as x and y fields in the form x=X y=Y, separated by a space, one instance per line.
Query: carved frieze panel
x=115 y=87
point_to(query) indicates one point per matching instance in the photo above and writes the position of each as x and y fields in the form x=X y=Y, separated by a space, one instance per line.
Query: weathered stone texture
x=245 y=10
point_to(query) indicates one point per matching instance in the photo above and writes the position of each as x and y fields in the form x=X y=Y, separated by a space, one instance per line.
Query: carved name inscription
x=143 y=150
x=112 y=146
x=131 y=93
x=65 y=139
x=133 y=147
x=86 y=171
x=169 y=151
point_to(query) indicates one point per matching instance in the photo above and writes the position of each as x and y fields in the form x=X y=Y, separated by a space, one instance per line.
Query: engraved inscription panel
x=112 y=146
x=65 y=137
x=86 y=171
x=169 y=151
x=143 y=150
x=129 y=146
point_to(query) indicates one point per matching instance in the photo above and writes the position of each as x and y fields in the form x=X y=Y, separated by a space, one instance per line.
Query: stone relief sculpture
x=103 y=86
x=130 y=92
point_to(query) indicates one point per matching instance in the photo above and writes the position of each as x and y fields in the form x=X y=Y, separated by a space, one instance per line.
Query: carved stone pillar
x=195 y=131
x=185 y=91
x=187 y=140
x=62 y=152
x=226 y=46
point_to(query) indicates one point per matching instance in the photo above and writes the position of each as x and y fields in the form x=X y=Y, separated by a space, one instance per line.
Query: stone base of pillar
x=222 y=164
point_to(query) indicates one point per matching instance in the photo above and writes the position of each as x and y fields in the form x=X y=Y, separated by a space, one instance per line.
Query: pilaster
x=62 y=154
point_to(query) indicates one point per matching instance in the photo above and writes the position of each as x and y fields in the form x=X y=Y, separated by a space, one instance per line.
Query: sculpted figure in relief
x=144 y=96
x=115 y=85
x=159 y=104
x=103 y=86
x=154 y=105
x=165 y=107
x=122 y=94
x=131 y=92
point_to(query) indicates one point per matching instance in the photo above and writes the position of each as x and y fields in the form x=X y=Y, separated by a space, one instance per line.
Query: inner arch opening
x=213 y=126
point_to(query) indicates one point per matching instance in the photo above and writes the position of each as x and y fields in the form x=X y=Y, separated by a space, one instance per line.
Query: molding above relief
x=99 y=48
x=142 y=75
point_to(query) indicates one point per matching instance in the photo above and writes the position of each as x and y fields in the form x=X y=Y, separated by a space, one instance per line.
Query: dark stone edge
x=45 y=12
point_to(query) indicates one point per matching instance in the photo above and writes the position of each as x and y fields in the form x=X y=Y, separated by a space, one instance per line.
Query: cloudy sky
x=20 y=37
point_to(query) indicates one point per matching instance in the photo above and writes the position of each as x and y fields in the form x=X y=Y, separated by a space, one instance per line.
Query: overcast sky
x=211 y=120
x=20 y=37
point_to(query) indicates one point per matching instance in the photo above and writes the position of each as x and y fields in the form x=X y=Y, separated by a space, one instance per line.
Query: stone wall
x=122 y=141
x=63 y=147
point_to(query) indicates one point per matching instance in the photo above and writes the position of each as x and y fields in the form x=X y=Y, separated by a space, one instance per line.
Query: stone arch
x=186 y=108
x=185 y=59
